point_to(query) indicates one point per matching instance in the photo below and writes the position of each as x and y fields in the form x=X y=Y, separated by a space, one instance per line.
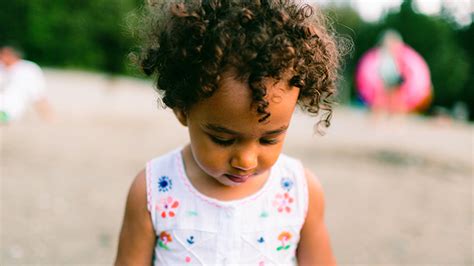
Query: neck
x=11 y=63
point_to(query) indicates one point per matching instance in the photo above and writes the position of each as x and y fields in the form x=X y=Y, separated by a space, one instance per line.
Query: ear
x=181 y=116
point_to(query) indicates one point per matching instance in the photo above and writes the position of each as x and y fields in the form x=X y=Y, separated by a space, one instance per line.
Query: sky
x=371 y=10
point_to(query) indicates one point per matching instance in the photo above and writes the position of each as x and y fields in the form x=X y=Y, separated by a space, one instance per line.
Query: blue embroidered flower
x=164 y=184
x=286 y=183
x=261 y=240
x=190 y=240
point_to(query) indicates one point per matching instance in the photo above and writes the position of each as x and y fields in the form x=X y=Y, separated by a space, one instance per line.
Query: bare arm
x=45 y=109
x=314 y=247
x=137 y=237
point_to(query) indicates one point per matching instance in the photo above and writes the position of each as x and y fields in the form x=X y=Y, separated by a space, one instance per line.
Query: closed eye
x=221 y=141
x=268 y=141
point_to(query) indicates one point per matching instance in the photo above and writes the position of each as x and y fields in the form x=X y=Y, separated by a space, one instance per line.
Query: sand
x=398 y=191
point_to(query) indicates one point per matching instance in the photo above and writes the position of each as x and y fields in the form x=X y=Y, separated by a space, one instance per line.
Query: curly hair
x=187 y=45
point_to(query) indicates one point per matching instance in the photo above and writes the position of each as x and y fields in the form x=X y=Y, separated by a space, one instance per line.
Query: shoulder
x=27 y=66
x=315 y=194
x=137 y=198
x=314 y=247
x=29 y=72
x=137 y=217
x=137 y=236
x=139 y=182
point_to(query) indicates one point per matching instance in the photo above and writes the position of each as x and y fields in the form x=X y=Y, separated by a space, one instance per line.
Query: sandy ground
x=398 y=192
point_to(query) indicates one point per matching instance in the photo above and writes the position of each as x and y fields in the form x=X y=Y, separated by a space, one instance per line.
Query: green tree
x=87 y=34
x=436 y=40
x=447 y=50
x=466 y=37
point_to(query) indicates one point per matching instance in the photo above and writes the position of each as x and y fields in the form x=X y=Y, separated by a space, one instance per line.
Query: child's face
x=8 y=56
x=227 y=141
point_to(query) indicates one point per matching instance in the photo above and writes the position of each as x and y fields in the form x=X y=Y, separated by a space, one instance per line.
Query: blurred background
x=399 y=189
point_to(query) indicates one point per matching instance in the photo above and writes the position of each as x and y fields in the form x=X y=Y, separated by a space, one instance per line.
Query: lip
x=238 y=178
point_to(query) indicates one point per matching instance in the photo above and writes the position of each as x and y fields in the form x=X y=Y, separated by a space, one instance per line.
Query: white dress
x=191 y=228
x=20 y=85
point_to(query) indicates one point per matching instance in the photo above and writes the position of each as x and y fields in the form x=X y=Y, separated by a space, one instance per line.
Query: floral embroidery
x=286 y=184
x=164 y=239
x=284 y=237
x=190 y=240
x=261 y=240
x=192 y=213
x=187 y=259
x=283 y=202
x=164 y=184
x=166 y=206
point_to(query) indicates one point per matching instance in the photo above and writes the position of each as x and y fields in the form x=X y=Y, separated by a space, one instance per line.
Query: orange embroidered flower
x=167 y=206
x=284 y=237
x=164 y=239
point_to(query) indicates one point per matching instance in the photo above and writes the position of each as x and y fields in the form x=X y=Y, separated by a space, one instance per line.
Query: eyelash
x=268 y=141
x=228 y=142
x=222 y=142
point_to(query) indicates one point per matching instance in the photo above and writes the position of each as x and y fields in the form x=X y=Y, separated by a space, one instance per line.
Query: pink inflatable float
x=408 y=89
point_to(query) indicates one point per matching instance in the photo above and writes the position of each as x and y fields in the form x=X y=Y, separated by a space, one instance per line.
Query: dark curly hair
x=189 y=44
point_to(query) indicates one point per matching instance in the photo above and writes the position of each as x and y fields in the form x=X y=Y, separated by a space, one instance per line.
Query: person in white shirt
x=22 y=83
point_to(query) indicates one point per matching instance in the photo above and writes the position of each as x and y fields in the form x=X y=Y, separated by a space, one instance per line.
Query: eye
x=268 y=141
x=221 y=141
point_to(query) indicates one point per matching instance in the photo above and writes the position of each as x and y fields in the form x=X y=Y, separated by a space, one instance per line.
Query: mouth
x=238 y=178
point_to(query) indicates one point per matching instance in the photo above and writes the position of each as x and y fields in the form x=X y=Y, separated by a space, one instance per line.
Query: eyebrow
x=221 y=129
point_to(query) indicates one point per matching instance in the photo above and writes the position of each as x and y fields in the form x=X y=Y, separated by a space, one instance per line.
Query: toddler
x=233 y=73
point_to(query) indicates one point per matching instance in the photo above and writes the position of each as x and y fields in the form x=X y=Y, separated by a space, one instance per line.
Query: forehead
x=231 y=106
x=6 y=50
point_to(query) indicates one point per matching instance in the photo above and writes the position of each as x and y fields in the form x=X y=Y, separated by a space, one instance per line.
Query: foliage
x=92 y=34
x=80 y=34
x=447 y=50
x=466 y=38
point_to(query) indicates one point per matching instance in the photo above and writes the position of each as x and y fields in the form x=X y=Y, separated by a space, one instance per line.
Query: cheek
x=269 y=156
x=207 y=156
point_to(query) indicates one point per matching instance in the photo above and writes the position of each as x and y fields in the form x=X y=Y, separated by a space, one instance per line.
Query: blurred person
x=392 y=78
x=390 y=73
x=22 y=83
x=233 y=72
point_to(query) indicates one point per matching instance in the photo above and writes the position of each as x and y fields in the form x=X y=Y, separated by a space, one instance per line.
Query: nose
x=244 y=159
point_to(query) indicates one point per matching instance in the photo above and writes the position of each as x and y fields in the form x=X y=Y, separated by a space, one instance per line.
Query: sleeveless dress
x=194 y=229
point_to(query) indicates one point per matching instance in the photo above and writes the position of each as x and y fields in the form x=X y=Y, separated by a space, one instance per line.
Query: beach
x=398 y=191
